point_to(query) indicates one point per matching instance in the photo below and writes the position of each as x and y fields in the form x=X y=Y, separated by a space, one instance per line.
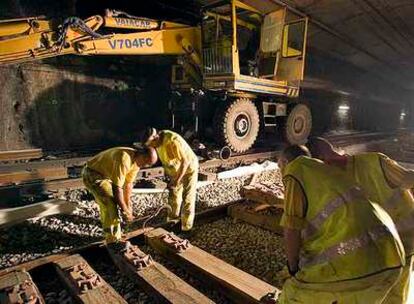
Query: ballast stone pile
x=123 y=285
x=210 y=292
x=40 y=237
x=252 y=249
x=61 y=297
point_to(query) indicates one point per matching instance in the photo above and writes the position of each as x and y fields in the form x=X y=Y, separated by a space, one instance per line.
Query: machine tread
x=221 y=119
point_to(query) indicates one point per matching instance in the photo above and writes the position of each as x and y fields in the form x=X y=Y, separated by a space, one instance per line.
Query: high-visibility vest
x=346 y=236
x=169 y=161
x=399 y=203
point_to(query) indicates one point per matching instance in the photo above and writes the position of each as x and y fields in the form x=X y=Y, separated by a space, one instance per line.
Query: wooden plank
x=165 y=190
x=58 y=185
x=44 y=163
x=20 y=154
x=207 y=176
x=75 y=268
x=237 y=285
x=153 y=277
x=151 y=172
x=262 y=215
x=262 y=194
x=63 y=184
x=12 y=286
x=42 y=174
x=11 y=216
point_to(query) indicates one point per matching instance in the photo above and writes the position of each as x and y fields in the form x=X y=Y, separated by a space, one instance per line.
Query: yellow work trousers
x=373 y=289
x=399 y=293
x=186 y=191
x=101 y=189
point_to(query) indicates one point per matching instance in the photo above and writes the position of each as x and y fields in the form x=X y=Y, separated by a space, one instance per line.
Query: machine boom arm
x=28 y=39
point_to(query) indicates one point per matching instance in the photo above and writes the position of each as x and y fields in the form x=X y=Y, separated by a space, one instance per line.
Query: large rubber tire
x=298 y=125
x=236 y=124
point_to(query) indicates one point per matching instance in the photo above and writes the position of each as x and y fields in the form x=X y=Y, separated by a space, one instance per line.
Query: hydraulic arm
x=36 y=38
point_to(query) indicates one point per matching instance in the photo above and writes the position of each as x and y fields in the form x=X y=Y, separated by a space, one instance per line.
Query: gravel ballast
x=251 y=249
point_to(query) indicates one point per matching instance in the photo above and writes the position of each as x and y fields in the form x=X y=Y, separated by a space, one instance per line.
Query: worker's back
x=173 y=147
x=367 y=171
x=116 y=164
x=346 y=236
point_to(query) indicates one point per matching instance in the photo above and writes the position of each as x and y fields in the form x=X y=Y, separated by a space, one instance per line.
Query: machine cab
x=252 y=50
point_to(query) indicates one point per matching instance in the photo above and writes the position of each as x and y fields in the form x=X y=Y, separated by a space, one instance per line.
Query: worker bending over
x=385 y=182
x=181 y=165
x=341 y=248
x=109 y=176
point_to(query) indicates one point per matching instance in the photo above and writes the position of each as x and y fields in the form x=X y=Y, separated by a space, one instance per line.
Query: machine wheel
x=298 y=125
x=237 y=124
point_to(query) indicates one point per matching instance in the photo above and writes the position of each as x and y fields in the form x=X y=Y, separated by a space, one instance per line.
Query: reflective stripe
x=346 y=247
x=314 y=225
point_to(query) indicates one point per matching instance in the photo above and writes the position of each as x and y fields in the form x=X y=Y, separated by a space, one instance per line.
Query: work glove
x=172 y=183
x=128 y=217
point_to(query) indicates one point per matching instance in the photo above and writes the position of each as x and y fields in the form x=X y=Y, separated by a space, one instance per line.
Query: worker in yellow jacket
x=181 y=165
x=109 y=176
x=387 y=183
x=341 y=247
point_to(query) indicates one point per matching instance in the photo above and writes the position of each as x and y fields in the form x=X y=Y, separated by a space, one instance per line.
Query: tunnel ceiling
x=380 y=33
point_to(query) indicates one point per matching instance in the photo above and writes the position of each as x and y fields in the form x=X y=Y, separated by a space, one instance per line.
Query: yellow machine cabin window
x=293 y=39
x=217 y=32
x=270 y=43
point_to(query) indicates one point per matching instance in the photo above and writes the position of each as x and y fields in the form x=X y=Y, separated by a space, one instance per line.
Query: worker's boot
x=186 y=234
x=172 y=223
x=118 y=246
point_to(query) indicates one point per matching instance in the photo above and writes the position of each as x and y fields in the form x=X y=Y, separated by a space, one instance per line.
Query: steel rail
x=76 y=183
x=55 y=184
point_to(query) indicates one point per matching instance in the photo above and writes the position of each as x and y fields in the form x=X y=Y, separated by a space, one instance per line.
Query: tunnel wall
x=55 y=108
x=343 y=96
x=333 y=112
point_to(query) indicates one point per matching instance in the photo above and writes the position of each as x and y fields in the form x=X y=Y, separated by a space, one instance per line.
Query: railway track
x=59 y=175
x=358 y=137
x=79 y=272
x=12 y=191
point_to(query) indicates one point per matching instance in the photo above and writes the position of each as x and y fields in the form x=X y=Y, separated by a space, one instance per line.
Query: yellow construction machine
x=243 y=62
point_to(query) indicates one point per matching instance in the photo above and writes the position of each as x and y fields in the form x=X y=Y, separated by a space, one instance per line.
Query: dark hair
x=294 y=151
x=144 y=150
x=318 y=144
x=146 y=134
